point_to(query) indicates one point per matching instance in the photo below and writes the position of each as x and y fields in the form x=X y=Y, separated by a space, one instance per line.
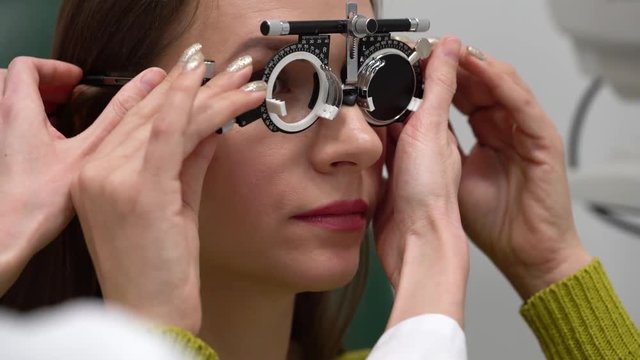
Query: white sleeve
x=424 y=337
x=79 y=331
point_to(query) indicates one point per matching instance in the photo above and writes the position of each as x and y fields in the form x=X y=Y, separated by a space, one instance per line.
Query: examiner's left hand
x=138 y=196
x=418 y=230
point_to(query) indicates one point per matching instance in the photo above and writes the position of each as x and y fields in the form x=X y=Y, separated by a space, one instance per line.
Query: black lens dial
x=388 y=81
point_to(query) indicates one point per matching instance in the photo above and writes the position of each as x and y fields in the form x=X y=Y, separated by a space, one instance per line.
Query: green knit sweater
x=578 y=318
x=581 y=317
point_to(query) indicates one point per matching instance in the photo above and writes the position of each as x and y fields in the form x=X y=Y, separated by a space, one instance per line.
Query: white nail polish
x=255 y=86
x=240 y=64
x=191 y=50
x=192 y=57
x=476 y=53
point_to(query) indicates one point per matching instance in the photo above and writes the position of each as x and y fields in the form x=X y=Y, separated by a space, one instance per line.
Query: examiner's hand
x=138 y=197
x=514 y=194
x=37 y=163
x=418 y=230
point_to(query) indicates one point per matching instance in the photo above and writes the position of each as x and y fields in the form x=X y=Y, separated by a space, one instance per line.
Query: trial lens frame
x=374 y=62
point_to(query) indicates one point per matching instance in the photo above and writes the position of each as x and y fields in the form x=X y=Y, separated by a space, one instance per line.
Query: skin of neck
x=244 y=319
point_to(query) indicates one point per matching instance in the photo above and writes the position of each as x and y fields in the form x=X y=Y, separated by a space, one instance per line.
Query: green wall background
x=372 y=314
x=27 y=28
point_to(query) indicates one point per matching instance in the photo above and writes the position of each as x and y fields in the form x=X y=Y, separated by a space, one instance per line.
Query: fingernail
x=240 y=64
x=152 y=78
x=452 y=48
x=192 y=57
x=476 y=53
x=255 y=86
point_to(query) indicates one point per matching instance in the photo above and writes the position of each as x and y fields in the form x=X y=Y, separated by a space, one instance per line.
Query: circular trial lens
x=296 y=88
x=392 y=88
x=389 y=80
x=300 y=90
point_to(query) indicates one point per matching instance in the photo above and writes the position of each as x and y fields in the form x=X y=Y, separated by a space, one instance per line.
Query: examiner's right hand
x=138 y=197
x=418 y=231
x=37 y=163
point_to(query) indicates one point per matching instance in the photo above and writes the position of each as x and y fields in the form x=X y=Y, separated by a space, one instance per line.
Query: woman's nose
x=346 y=143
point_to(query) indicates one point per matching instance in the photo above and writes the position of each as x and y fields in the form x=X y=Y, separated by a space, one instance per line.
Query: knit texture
x=193 y=346
x=199 y=350
x=581 y=317
x=355 y=355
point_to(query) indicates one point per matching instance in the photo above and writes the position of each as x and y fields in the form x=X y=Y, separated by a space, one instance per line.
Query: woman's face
x=259 y=181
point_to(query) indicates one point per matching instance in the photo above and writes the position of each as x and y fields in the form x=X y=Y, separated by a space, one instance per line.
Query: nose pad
x=349 y=96
x=349 y=93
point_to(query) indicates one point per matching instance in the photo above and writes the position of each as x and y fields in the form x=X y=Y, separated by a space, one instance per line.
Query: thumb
x=125 y=100
x=440 y=84
x=195 y=169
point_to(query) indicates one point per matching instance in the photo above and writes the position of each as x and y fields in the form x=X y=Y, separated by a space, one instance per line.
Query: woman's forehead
x=286 y=9
x=231 y=17
x=231 y=28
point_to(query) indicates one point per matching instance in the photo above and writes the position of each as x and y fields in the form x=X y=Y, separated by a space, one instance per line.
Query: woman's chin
x=323 y=272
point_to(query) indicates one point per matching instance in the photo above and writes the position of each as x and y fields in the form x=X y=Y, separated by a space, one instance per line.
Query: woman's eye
x=280 y=87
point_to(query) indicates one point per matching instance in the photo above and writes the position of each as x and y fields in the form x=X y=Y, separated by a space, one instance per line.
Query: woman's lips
x=345 y=215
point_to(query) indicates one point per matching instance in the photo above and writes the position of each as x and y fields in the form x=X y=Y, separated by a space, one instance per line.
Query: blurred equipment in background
x=606 y=37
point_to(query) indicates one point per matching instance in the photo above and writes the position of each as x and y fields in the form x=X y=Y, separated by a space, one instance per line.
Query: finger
x=212 y=114
x=195 y=169
x=440 y=84
x=3 y=77
x=150 y=105
x=471 y=53
x=393 y=134
x=54 y=96
x=394 y=131
x=492 y=127
x=453 y=141
x=236 y=75
x=472 y=94
x=164 y=155
x=207 y=102
x=384 y=209
x=527 y=114
x=155 y=100
x=125 y=100
x=142 y=114
x=463 y=156
x=27 y=75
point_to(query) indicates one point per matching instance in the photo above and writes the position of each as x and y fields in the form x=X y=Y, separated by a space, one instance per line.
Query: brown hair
x=127 y=36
